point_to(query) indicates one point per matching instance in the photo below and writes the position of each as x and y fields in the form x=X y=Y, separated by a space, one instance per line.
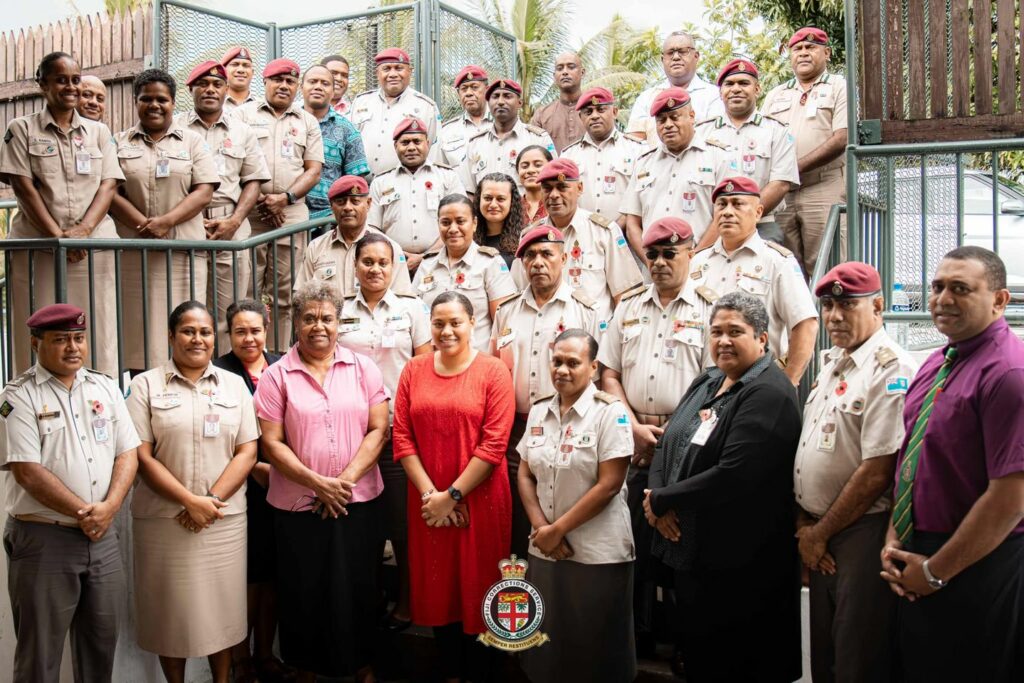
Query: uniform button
x=728 y=260
x=650 y=398
x=536 y=334
x=83 y=438
x=652 y=376
x=723 y=279
x=798 y=470
x=533 y=374
x=535 y=353
x=655 y=355
x=90 y=459
x=94 y=483
x=659 y=335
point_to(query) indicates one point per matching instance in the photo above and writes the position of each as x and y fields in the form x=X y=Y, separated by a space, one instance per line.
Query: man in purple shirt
x=960 y=563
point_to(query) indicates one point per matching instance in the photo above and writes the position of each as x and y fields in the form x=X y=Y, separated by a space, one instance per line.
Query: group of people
x=485 y=363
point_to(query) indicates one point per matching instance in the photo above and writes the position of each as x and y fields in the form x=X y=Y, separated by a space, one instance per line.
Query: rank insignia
x=6 y=409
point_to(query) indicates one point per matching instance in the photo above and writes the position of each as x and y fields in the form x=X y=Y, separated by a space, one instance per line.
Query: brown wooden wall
x=926 y=87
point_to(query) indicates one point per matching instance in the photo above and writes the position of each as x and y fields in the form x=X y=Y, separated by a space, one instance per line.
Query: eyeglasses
x=678 y=52
x=667 y=254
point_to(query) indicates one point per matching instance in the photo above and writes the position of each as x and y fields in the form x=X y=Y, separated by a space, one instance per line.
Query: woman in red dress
x=453 y=414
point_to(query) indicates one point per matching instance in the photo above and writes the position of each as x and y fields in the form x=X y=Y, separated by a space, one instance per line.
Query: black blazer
x=740 y=483
x=230 y=362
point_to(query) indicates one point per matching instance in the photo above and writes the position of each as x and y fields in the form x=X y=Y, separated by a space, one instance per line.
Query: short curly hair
x=314 y=290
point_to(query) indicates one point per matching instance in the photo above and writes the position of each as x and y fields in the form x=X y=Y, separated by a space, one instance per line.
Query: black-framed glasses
x=678 y=52
x=667 y=254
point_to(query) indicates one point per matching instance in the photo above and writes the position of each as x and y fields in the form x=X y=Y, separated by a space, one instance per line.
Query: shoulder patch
x=605 y=397
x=779 y=248
x=6 y=409
x=885 y=356
x=708 y=294
x=490 y=251
x=536 y=130
x=598 y=219
x=583 y=298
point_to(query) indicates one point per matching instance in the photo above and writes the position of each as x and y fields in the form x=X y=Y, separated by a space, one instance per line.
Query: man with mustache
x=470 y=84
x=238 y=64
x=813 y=105
x=842 y=477
x=242 y=169
x=376 y=112
x=93 y=102
x=559 y=118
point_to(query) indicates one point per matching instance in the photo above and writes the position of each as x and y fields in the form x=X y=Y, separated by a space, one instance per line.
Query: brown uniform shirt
x=237 y=155
x=561 y=121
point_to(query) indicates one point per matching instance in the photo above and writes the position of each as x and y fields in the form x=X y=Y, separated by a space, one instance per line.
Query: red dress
x=446 y=421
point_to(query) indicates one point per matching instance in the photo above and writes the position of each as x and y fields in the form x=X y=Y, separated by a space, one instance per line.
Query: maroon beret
x=542 y=233
x=594 y=97
x=734 y=186
x=237 y=52
x=207 y=68
x=737 y=66
x=668 y=229
x=392 y=55
x=57 y=317
x=848 y=280
x=560 y=169
x=351 y=185
x=470 y=73
x=811 y=35
x=505 y=84
x=409 y=125
x=281 y=67
x=669 y=99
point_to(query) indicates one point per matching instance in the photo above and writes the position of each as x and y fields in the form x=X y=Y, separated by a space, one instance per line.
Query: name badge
x=287 y=148
x=101 y=429
x=83 y=163
x=812 y=108
x=387 y=338
x=163 y=168
x=710 y=419
x=219 y=162
x=668 y=351
x=507 y=335
x=349 y=325
x=827 y=437
x=609 y=184
x=564 y=456
x=211 y=425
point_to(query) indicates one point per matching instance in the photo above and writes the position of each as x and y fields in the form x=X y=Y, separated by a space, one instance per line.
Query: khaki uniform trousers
x=279 y=279
x=803 y=220
x=226 y=269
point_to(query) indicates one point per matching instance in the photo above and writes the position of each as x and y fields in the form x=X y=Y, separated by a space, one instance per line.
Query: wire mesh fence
x=463 y=41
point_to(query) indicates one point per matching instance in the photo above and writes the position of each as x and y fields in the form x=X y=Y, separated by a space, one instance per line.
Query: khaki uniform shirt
x=287 y=143
x=35 y=147
x=761 y=149
x=194 y=429
x=561 y=121
x=822 y=113
x=481 y=275
x=598 y=260
x=454 y=136
x=524 y=332
x=605 y=168
x=388 y=334
x=486 y=153
x=658 y=351
x=74 y=434
x=666 y=184
x=564 y=454
x=230 y=104
x=377 y=119
x=189 y=162
x=330 y=258
x=404 y=203
x=764 y=269
x=704 y=98
x=854 y=412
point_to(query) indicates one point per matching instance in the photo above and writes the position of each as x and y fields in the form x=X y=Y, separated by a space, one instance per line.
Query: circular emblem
x=670 y=103
x=741 y=67
x=837 y=288
x=513 y=610
x=551 y=235
x=213 y=72
x=674 y=238
x=293 y=72
x=501 y=84
x=243 y=53
x=81 y=319
x=730 y=187
x=594 y=102
x=561 y=177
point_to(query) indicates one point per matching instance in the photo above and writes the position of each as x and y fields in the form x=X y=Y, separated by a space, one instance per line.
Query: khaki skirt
x=189 y=588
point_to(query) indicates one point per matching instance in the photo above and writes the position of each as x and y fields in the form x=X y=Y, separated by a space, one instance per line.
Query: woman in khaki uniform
x=170 y=177
x=64 y=172
x=198 y=429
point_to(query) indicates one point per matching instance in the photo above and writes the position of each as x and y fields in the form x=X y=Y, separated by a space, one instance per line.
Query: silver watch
x=934 y=582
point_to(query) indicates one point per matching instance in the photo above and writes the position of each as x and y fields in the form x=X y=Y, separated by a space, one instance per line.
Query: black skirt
x=327 y=588
x=261 y=553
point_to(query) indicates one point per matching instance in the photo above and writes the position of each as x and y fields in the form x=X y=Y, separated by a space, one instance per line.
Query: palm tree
x=623 y=59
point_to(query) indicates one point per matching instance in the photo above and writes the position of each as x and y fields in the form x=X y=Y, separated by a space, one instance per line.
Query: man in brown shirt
x=560 y=118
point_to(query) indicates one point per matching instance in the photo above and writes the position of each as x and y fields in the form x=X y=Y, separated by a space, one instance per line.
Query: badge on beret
x=551 y=235
x=671 y=102
x=837 y=288
x=214 y=72
x=674 y=238
x=293 y=72
x=501 y=84
x=741 y=67
x=81 y=319
x=561 y=177
x=243 y=53
x=593 y=101
x=730 y=187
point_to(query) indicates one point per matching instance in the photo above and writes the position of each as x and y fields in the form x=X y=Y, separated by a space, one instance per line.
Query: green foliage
x=123 y=6
x=623 y=59
x=789 y=15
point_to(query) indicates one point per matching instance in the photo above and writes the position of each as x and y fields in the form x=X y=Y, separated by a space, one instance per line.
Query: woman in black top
x=499 y=215
x=721 y=498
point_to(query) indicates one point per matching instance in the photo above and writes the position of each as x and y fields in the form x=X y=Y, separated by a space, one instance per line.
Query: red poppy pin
x=840 y=388
x=227 y=143
x=576 y=251
x=429 y=185
x=97 y=408
x=677 y=325
x=460 y=277
x=561 y=326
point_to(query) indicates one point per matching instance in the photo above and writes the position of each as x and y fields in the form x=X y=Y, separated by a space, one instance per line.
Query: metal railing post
x=60 y=275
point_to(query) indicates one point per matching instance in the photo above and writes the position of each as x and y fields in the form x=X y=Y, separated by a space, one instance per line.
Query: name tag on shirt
x=387 y=338
x=827 y=437
x=506 y=338
x=163 y=168
x=83 y=163
x=218 y=161
x=700 y=437
x=101 y=429
x=211 y=425
x=287 y=148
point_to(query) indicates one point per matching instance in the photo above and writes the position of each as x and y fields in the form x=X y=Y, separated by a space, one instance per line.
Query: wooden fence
x=931 y=75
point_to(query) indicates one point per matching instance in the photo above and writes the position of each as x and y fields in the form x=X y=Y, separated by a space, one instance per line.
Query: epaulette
x=583 y=298
x=420 y=95
x=701 y=123
x=779 y=248
x=570 y=146
x=630 y=136
x=639 y=289
x=477 y=134
x=605 y=397
x=21 y=379
x=450 y=121
x=506 y=302
x=544 y=398
x=490 y=251
x=350 y=296
x=885 y=356
x=101 y=374
x=652 y=150
x=536 y=224
x=438 y=164
x=401 y=296
x=598 y=219
x=365 y=92
x=715 y=143
x=536 y=130
x=769 y=117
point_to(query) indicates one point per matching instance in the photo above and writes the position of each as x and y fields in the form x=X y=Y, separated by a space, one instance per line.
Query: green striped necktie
x=902 y=515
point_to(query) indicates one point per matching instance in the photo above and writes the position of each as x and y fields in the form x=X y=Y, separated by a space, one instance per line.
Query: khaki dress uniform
x=763 y=269
x=605 y=169
x=239 y=160
x=761 y=148
x=376 y=119
x=230 y=104
x=332 y=259
x=158 y=176
x=666 y=184
x=481 y=275
x=35 y=147
x=561 y=121
x=599 y=261
x=453 y=138
x=404 y=203
x=57 y=577
x=854 y=412
x=705 y=99
x=812 y=120
x=486 y=153
x=190 y=588
x=287 y=142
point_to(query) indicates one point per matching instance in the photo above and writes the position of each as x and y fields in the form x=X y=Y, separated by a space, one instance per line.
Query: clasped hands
x=332 y=494
x=439 y=509
x=94 y=520
x=550 y=540
x=200 y=513
x=270 y=208
x=909 y=582
x=667 y=525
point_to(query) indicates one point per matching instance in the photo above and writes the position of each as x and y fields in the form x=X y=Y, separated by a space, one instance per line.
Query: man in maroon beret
x=69 y=448
x=604 y=156
x=376 y=112
x=676 y=177
x=559 y=118
x=813 y=105
x=238 y=64
x=843 y=473
x=470 y=84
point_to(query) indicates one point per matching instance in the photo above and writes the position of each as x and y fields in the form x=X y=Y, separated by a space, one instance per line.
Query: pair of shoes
x=272 y=669
x=393 y=624
x=676 y=664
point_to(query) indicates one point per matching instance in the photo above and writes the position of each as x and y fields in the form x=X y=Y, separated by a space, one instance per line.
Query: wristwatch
x=291 y=198
x=455 y=494
x=934 y=582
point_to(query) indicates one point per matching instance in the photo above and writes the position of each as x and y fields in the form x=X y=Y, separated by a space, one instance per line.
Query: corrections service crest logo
x=513 y=610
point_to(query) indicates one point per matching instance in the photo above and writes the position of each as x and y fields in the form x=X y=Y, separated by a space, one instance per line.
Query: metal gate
x=440 y=39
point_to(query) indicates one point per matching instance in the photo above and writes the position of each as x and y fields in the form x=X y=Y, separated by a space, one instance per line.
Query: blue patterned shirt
x=343 y=155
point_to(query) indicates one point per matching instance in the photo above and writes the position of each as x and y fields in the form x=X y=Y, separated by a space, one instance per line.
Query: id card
x=564 y=455
x=163 y=168
x=827 y=437
x=83 y=163
x=609 y=184
x=101 y=429
x=287 y=148
x=387 y=338
x=211 y=425
x=668 y=351
x=219 y=162
x=700 y=437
